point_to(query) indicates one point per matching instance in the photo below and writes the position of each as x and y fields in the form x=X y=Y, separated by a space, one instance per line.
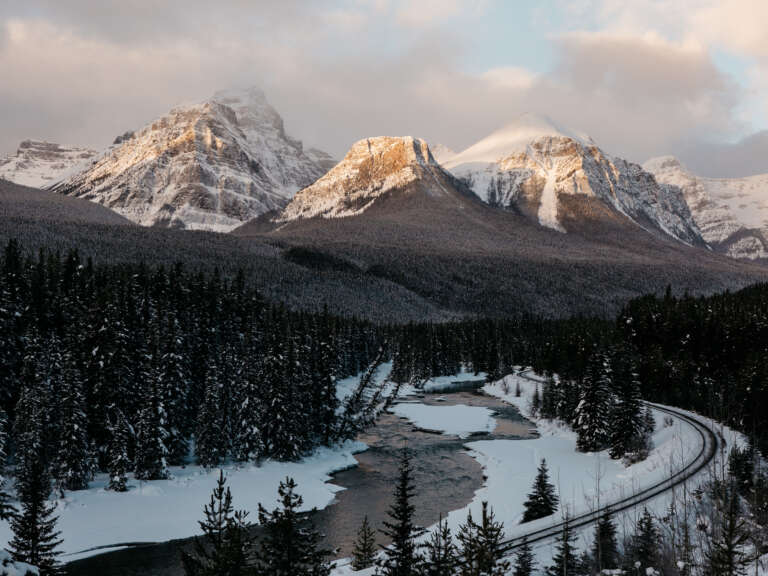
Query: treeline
x=705 y=354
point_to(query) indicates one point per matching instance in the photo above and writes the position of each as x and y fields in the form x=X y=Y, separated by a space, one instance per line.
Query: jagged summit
x=371 y=168
x=211 y=165
x=732 y=213
x=552 y=174
x=514 y=138
x=41 y=164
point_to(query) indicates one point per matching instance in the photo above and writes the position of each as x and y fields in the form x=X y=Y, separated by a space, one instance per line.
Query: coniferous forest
x=133 y=368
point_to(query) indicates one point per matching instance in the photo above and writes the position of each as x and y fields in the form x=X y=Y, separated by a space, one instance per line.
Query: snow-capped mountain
x=42 y=164
x=732 y=213
x=539 y=169
x=207 y=166
x=372 y=168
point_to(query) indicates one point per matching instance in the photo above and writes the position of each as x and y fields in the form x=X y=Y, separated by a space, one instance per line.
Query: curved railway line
x=710 y=442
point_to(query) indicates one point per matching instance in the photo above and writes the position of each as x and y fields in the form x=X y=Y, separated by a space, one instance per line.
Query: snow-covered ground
x=458 y=420
x=583 y=481
x=167 y=509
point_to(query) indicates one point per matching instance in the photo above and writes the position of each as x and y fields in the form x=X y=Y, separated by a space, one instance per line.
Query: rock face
x=372 y=168
x=542 y=171
x=42 y=164
x=210 y=166
x=732 y=213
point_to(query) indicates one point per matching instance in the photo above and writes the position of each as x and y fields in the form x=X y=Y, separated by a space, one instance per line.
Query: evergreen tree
x=118 y=461
x=210 y=448
x=6 y=508
x=524 y=561
x=542 y=501
x=605 y=550
x=289 y=548
x=364 y=553
x=486 y=557
x=626 y=417
x=441 y=553
x=248 y=442
x=645 y=543
x=401 y=558
x=174 y=387
x=151 y=453
x=565 y=562
x=594 y=406
x=224 y=548
x=35 y=538
x=727 y=554
x=73 y=468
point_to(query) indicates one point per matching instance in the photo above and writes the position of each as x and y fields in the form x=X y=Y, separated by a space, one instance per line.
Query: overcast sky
x=643 y=78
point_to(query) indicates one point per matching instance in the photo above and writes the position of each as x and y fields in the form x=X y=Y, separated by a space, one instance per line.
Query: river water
x=445 y=475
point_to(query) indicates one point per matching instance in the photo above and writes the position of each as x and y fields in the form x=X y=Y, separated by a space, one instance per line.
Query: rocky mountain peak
x=547 y=172
x=211 y=165
x=371 y=168
x=732 y=213
x=41 y=164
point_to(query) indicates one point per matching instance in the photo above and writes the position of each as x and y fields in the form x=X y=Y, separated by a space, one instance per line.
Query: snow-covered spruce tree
x=35 y=538
x=6 y=508
x=364 y=553
x=566 y=561
x=72 y=466
x=150 y=460
x=626 y=417
x=249 y=413
x=441 y=554
x=210 y=445
x=542 y=501
x=174 y=385
x=605 y=550
x=591 y=422
x=524 y=560
x=289 y=547
x=323 y=374
x=224 y=548
x=117 y=454
x=401 y=557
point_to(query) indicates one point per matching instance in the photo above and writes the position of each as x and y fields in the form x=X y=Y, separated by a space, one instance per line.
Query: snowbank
x=458 y=420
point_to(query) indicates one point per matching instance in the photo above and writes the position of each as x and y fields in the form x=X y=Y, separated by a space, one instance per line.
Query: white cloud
x=345 y=70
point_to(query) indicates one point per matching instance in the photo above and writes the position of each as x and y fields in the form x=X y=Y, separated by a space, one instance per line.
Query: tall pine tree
x=224 y=549
x=401 y=557
x=289 y=548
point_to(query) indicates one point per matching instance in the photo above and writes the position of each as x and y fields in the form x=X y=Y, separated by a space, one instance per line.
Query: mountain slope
x=43 y=164
x=391 y=212
x=732 y=213
x=209 y=166
x=532 y=166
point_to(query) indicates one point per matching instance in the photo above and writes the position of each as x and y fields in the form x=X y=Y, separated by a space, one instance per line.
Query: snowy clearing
x=457 y=420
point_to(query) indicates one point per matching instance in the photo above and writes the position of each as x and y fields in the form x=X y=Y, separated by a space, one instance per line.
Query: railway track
x=710 y=442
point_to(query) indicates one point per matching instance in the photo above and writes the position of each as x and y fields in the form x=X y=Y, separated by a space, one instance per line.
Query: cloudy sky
x=643 y=78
